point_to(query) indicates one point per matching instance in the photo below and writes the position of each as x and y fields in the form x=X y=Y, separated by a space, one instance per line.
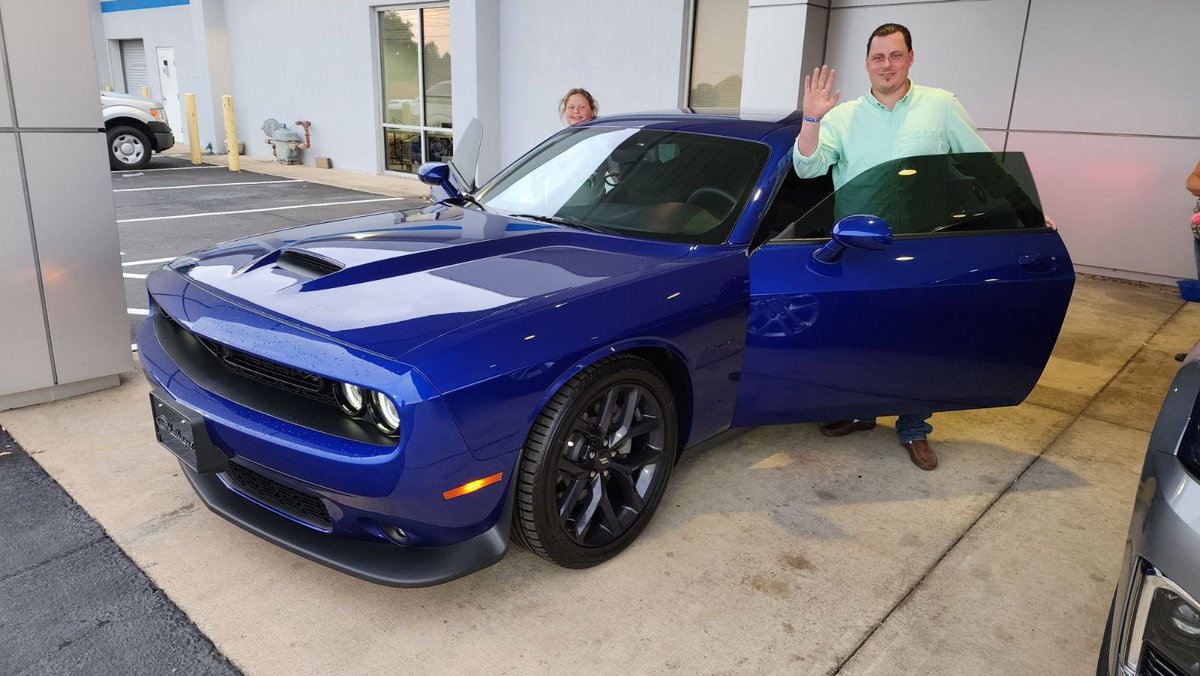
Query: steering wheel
x=702 y=195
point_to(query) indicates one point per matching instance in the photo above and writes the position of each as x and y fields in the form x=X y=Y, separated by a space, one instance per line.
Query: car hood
x=390 y=282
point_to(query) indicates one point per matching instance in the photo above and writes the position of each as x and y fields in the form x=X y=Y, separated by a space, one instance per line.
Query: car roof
x=731 y=122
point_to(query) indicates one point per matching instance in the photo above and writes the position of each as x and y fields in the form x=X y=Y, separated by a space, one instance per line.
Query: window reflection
x=718 y=49
x=403 y=150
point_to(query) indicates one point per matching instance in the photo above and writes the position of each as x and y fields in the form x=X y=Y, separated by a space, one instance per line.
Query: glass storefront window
x=437 y=67
x=414 y=46
x=718 y=50
x=403 y=150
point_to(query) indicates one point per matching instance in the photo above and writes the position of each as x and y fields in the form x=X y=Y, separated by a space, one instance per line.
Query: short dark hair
x=886 y=30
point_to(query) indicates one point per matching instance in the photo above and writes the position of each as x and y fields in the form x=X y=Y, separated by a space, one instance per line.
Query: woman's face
x=578 y=109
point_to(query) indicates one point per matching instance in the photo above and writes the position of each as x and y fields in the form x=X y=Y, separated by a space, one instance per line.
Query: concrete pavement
x=779 y=552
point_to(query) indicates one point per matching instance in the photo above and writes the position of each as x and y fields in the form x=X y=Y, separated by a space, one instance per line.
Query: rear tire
x=596 y=463
x=128 y=148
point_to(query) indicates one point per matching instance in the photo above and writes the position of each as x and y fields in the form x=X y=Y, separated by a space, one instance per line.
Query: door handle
x=1040 y=263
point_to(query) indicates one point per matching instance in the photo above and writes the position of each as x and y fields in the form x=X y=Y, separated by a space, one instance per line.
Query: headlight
x=387 y=418
x=350 y=397
x=1173 y=627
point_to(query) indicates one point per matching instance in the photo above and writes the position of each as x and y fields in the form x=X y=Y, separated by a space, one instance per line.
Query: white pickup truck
x=136 y=128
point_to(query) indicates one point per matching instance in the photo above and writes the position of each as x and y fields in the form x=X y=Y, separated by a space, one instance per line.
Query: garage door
x=133 y=64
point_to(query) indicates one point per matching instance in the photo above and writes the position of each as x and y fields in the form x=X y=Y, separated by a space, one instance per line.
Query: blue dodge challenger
x=398 y=395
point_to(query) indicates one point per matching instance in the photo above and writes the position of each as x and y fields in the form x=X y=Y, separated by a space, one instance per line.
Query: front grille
x=301 y=505
x=307 y=262
x=271 y=373
x=1155 y=663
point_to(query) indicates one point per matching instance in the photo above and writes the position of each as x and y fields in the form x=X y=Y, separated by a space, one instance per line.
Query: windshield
x=655 y=184
x=929 y=194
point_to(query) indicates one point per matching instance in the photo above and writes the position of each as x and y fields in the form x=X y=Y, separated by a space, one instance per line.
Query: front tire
x=128 y=148
x=596 y=463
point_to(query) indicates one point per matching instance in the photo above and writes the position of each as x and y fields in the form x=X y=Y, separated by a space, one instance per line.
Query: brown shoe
x=840 y=428
x=921 y=454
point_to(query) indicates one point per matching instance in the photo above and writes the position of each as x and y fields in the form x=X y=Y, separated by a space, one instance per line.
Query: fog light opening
x=394 y=533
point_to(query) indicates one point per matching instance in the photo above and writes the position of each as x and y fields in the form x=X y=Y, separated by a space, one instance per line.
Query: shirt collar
x=904 y=100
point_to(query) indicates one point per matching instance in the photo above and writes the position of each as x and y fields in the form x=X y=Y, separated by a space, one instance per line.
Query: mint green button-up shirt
x=859 y=134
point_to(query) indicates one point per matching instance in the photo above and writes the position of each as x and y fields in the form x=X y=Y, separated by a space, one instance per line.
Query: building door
x=133 y=65
x=168 y=83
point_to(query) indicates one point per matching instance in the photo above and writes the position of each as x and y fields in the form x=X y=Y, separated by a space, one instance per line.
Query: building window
x=718 y=48
x=414 y=47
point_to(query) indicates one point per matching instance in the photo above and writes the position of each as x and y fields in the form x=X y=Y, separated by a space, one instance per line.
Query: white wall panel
x=5 y=111
x=328 y=75
x=24 y=355
x=783 y=42
x=1115 y=66
x=968 y=47
x=1120 y=202
x=77 y=248
x=994 y=139
x=627 y=53
x=53 y=80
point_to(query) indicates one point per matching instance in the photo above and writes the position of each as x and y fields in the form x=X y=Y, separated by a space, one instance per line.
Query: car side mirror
x=860 y=231
x=437 y=174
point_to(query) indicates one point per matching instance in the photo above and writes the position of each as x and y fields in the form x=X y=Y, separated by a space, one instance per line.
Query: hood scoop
x=307 y=263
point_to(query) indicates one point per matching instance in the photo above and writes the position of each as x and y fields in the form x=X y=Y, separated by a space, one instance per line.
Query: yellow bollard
x=145 y=92
x=189 y=102
x=231 y=133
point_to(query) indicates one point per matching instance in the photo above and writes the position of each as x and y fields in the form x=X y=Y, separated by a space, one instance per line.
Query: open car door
x=960 y=310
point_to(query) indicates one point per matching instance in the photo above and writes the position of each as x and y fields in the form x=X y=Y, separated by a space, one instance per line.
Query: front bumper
x=377 y=562
x=163 y=137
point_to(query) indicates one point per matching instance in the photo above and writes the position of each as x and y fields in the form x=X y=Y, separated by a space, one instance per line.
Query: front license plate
x=181 y=430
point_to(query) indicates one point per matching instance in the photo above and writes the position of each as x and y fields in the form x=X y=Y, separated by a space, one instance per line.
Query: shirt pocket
x=910 y=142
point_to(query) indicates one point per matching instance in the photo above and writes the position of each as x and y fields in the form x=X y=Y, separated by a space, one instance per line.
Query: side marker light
x=472 y=486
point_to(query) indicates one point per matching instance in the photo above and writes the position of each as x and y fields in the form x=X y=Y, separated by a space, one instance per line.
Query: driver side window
x=795 y=198
x=931 y=194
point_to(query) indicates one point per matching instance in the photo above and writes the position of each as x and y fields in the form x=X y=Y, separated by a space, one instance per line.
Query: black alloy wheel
x=596 y=463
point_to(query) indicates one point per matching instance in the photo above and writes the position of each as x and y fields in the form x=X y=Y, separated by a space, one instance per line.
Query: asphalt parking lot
x=173 y=207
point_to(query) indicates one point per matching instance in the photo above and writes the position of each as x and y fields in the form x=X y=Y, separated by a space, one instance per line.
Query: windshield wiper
x=468 y=197
x=561 y=220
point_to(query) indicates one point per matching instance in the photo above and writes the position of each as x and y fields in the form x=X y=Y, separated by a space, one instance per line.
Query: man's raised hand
x=819 y=95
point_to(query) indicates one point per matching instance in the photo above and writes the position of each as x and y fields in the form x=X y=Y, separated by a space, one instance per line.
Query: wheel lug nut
x=605 y=472
x=592 y=455
x=593 y=475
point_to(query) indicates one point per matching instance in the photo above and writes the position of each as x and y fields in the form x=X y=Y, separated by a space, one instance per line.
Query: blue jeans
x=913 y=426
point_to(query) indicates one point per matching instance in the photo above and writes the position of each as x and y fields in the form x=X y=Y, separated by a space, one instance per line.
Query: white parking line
x=132 y=275
x=252 y=211
x=207 y=185
x=135 y=311
x=203 y=166
x=148 y=262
